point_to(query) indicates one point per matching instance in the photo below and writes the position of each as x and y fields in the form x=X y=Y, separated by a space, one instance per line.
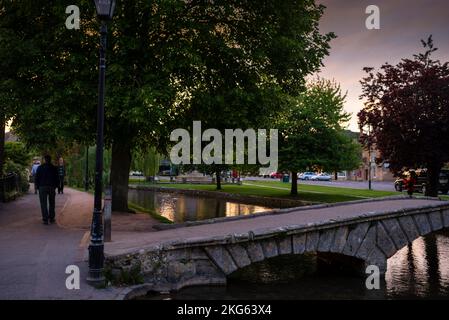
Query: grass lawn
x=282 y=190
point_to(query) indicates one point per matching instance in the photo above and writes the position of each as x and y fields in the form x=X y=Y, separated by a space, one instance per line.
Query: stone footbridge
x=367 y=231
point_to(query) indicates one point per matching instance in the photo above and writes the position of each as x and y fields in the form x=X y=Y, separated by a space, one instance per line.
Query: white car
x=321 y=177
x=306 y=175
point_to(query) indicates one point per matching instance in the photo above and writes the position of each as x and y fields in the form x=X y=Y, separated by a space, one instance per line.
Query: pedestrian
x=61 y=176
x=36 y=164
x=46 y=181
x=410 y=183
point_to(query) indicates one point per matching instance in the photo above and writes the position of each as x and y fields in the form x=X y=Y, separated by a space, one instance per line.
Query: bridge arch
x=370 y=241
x=371 y=238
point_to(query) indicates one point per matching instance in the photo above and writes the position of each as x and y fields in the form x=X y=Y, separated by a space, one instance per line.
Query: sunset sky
x=403 y=23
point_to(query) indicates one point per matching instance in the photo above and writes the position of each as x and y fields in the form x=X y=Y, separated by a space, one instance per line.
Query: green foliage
x=12 y=167
x=230 y=64
x=146 y=161
x=347 y=155
x=75 y=163
x=311 y=132
x=17 y=153
x=18 y=160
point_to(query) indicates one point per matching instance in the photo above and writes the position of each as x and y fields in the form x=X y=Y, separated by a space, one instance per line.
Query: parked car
x=306 y=175
x=165 y=172
x=421 y=181
x=276 y=175
x=136 y=174
x=321 y=177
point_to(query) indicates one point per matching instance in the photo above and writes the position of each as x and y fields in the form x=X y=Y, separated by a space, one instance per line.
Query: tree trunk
x=2 y=142
x=218 y=175
x=433 y=177
x=294 y=189
x=120 y=164
x=335 y=175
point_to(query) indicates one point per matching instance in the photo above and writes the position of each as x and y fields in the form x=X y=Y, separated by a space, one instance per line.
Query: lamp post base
x=96 y=258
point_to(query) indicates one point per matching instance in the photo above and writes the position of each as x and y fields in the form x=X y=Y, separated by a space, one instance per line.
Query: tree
x=10 y=49
x=407 y=108
x=348 y=156
x=169 y=62
x=310 y=129
x=279 y=44
x=146 y=161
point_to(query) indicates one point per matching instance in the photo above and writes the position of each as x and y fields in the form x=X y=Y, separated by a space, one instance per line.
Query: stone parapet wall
x=372 y=237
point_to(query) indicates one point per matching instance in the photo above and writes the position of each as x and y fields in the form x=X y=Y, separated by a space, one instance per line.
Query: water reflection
x=181 y=208
x=420 y=270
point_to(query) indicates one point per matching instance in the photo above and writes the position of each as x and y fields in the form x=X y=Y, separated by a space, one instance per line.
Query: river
x=181 y=208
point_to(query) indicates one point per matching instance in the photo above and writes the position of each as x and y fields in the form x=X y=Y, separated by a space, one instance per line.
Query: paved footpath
x=34 y=257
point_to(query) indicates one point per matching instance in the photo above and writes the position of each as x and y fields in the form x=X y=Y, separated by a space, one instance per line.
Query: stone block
x=177 y=270
x=285 y=245
x=367 y=244
x=206 y=268
x=384 y=241
x=270 y=248
x=312 y=241
x=222 y=259
x=340 y=238
x=395 y=232
x=435 y=220
x=326 y=240
x=239 y=255
x=423 y=224
x=355 y=239
x=255 y=251
x=299 y=243
x=409 y=227
x=445 y=215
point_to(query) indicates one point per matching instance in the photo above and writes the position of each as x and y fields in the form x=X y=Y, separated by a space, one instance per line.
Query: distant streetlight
x=369 y=158
x=105 y=11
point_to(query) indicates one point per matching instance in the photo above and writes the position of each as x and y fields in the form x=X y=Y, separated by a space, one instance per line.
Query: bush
x=17 y=160
x=22 y=171
x=17 y=153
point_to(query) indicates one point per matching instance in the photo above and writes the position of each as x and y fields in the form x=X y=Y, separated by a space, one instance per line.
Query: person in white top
x=34 y=167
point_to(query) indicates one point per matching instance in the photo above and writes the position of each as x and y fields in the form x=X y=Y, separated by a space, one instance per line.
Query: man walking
x=46 y=181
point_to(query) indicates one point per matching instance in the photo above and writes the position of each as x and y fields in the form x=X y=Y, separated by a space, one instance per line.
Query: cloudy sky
x=403 y=23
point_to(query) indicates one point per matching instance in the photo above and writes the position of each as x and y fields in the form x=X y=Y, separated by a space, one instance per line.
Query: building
x=379 y=171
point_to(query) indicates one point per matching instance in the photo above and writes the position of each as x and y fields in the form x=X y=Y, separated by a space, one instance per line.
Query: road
x=376 y=185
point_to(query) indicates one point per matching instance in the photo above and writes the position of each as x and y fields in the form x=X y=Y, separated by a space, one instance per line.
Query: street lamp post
x=86 y=170
x=369 y=158
x=105 y=11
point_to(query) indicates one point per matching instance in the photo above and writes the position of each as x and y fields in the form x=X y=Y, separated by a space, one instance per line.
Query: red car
x=276 y=175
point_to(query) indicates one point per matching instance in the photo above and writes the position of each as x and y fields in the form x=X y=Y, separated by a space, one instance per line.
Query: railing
x=9 y=187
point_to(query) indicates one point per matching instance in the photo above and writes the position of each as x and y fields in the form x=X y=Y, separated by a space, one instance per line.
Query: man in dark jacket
x=46 y=181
